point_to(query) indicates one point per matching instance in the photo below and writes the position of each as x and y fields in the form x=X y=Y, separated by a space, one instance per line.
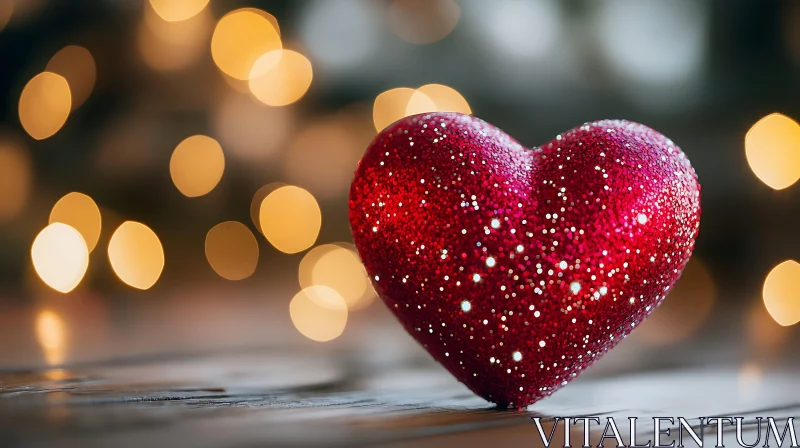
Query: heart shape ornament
x=517 y=268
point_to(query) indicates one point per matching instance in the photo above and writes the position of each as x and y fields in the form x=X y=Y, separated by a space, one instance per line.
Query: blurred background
x=174 y=173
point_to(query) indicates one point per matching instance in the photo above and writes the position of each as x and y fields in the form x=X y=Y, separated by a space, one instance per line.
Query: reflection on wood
x=277 y=399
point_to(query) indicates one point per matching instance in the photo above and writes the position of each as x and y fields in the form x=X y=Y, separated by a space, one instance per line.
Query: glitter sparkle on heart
x=517 y=268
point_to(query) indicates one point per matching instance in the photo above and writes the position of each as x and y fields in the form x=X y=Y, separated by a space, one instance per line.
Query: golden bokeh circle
x=60 y=257
x=319 y=313
x=196 y=165
x=280 y=77
x=337 y=266
x=781 y=292
x=44 y=105
x=390 y=106
x=80 y=212
x=177 y=10
x=232 y=250
x=77 y=66
x=290 y=219
x=136 y=255
x=436 y=98
x=772 y=148
x=239 y=39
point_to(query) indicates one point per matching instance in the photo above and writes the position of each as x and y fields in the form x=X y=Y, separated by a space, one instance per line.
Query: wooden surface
x=271 y=398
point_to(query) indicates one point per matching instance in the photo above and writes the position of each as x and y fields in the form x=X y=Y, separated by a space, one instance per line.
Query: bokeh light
x=80 y=212
x=249 y=130
x=51 y=333
x=196 y=165
x=400 y=102
x=239 y=39
x=232 y=250
x=436 y=98
x=781 y=293
x=290 y=219
x=772 y=147
x=684 y=310
x=170 y=46
x=60 y=257
x=319 y=313
x=177 y=10
x=136 y=255
x=423 y=21
x=77 y=66
x=258 y=198
x=337 y=266
x=15 y=180
x=280 y=77
x=44 y=105
x=390 y=106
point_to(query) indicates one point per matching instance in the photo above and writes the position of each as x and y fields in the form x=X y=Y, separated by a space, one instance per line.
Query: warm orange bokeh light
x=395 y=104
x=80 y=212
x=280 y=77
x=136 y=255
x=337 y=266
x=44 y=105
x=60 y=257
x=51 y=333
x=239 y=39
x=196 y=165
x=390 y=106
x=232 y=250
x=772 y=147
x=77 y=66
x=319 y=313
x=290 y=219
x=177 y=10
x=436 y=98
x=781 y=293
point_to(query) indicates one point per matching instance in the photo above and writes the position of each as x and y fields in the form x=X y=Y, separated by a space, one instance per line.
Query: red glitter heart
x=518 y=268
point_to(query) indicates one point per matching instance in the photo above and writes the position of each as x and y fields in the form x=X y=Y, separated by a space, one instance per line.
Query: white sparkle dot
x=465 y=306
x=476 y=278
x=490 y=262
x=520 y=248
x=541 y=344
x=491 y=359
x=563 y=264
x=641 y=218
x=603 y=290
x=495 y=223
x=575 y=287
x=517 y=356
x=377 y=278
x=374 y=229
x=536 y=313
